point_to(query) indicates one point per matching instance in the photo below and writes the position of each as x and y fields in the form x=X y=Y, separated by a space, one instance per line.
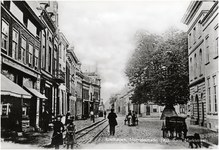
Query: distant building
x=124 y=104
x=201 y=18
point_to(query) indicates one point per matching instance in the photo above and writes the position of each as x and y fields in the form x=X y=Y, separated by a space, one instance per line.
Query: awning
x=12 y=89
x=36 y=93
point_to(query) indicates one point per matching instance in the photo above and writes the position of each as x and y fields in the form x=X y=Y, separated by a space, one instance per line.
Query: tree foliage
x=158 y=68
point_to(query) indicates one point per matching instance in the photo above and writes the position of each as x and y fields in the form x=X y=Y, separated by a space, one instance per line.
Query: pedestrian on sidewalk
x=57 y=137
x=92 y=116
x=112 y=121
x=46 y=118
x=70 y=133
x=67 y=117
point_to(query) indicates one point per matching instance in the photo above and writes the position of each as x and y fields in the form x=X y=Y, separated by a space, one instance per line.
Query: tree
x=158 y=69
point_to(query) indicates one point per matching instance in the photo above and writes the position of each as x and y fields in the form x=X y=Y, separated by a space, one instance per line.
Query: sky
x=102 y=33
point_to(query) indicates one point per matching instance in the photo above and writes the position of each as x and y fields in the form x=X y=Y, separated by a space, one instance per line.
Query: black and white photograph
x=108 y=74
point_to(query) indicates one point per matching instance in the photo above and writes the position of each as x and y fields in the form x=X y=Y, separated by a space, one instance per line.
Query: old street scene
x=109 y=74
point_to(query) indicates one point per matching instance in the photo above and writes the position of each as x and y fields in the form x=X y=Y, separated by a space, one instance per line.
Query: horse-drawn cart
x=174 y=126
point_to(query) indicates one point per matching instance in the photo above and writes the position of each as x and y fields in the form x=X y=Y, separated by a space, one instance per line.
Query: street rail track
x=90 y=133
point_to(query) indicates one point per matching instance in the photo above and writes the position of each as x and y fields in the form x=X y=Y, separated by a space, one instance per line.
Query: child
x=70 y=133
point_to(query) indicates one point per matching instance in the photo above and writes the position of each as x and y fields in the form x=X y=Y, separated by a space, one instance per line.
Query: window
x=55 y=59
x=14 y=44
x=43 y=51
x=216 y=41
x=36 y=57
x=194 y=35
x=209 y=95
x=207 y=49
x=30 y=54
x=215 y=93
x=60 y=52
x=199 y=29
x=200 y=62
x=49 y=59
x=190 y=40
x=23 y=50
x=195 y=67
x=191 y=69
x=60 y=66
x=63 y=54
x=5 y=34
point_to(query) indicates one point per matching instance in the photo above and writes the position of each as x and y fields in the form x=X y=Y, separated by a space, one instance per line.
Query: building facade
x=20 y=60
x=73 y=61
x=201 y=18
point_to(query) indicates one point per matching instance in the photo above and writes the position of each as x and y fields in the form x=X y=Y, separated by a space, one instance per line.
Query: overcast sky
x=102 y=32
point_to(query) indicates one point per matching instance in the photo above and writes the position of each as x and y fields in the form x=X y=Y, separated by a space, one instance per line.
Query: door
x=148 y=110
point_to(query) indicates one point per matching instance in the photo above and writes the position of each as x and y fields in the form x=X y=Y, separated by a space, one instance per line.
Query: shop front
x=15 y=102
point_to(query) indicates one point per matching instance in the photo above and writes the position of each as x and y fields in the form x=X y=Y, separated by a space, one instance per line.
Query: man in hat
x=57 y=137
x=112 y=121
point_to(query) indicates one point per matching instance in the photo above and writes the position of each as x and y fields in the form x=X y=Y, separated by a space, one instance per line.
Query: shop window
x=5 y=109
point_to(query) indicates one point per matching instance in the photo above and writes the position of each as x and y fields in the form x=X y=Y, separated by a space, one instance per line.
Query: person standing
x=92 y=116
x=57 y=137
x=112 y=121
x=67 y=117
x=70 y=133
x=46 y=118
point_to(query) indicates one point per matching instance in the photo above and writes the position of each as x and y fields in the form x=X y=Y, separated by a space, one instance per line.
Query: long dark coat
x=112 y=119
x=57 y=137
x=70 y=135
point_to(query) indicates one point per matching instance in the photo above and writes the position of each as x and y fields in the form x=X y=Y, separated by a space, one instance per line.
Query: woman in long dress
x=57 y=137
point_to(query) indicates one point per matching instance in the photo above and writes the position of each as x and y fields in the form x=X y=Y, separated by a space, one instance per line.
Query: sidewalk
x=207 y=135
x=44 y=139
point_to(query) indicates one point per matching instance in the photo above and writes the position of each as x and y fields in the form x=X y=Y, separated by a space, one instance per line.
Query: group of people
x=59 y=128
x=131 y=117
x=69 y=127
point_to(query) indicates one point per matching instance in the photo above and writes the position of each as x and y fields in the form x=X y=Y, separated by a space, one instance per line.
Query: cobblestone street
x=147 y=135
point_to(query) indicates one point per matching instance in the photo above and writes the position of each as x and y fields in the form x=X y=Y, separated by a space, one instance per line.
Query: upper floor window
x=60 y=51
x=30 y=54
x=191 y=68
x=63 y=54
x=216 y=41
x=14 y=44
x=190 y=40
x=199 y=29
x=36 y=57
x=5 y=36
x=43 y=52
x=200 y=61
x=195 y=67
x=207 y=49
x=194 y=35
x=23 y=50
x=215 y=92
x=209 y=94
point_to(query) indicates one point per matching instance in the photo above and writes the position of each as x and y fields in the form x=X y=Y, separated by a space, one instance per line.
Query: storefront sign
x=18 y=67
